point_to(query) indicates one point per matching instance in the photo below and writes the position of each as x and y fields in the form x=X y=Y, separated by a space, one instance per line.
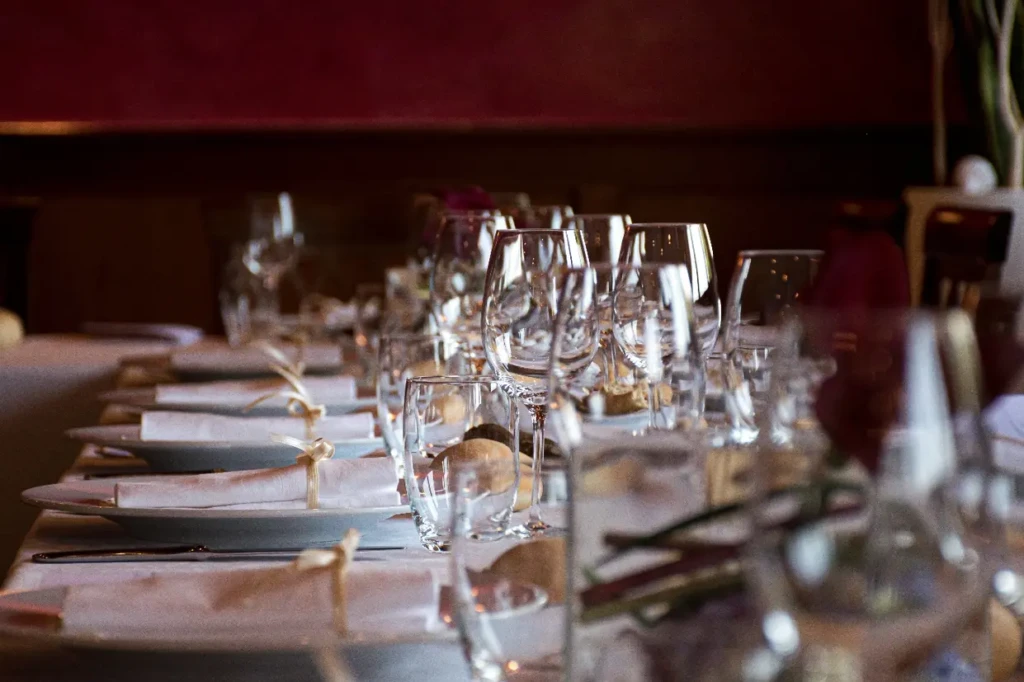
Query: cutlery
x=180 y=553
x=122 y=473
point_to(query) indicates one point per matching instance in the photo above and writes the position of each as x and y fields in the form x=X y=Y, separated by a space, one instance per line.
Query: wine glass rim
x=752 y=253
x=599 y=215
x=414 y=336
x=615 y=267
x=456 y=379
x=667 y=224
x=536 y=230
x=483 y=212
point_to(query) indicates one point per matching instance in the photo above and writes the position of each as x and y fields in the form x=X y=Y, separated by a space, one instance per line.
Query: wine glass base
x=537 y=529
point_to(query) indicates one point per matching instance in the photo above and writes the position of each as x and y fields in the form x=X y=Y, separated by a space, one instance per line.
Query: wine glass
x=402 y=357
x=509 y=613
x=689 y=244
x=518 y=320
x=549 y=217
x=875 y=499
x=655 y=328
x=767 y=287
x=274 y=244
x=603 y=234
x=461 y=254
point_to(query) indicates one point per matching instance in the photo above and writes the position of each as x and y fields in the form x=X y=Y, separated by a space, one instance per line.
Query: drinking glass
x=241 y=296
x=400 y=358
x=274 y=244
x=512 y=622
x=875 y=498
x=441 y=412
x=654 y=328
x=520 y=301
x=369 y=302
x=461 y=254
x=405 y=304
x=767 y=287
x=690 y=245
x=603 y=234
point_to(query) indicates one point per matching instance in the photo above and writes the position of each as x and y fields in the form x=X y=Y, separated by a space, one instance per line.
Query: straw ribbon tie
x=300 y=401
x=313 y=452
x=340 y=557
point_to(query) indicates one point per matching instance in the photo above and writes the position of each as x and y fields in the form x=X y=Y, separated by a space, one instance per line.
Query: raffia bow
x=313 y=452
x=300 y=401
x=340 y=556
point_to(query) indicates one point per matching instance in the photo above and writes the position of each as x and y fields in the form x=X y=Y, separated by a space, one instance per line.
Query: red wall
x=692 y=63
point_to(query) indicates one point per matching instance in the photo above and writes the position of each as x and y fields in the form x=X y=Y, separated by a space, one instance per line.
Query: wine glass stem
x=539 y=413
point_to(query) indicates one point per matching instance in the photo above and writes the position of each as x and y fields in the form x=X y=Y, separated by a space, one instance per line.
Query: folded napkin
x=344 y=483
x=324 y=390
x=186 y=426
x=379 y=599
x=317 y=357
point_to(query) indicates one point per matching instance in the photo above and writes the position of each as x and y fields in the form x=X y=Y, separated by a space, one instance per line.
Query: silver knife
x=181 y=553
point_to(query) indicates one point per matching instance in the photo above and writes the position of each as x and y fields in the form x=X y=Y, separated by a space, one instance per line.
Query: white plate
x=145 y=399
x=181 y=456
x=219 y=528
x=34 y=616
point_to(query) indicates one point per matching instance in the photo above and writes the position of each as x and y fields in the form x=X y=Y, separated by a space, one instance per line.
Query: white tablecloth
x=48 y=384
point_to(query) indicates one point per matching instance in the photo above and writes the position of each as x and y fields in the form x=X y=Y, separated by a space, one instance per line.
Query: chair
x=964 y=251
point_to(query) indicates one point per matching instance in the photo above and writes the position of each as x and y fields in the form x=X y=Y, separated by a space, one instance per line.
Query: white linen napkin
x=317 y=357
x=344 y=483
x=191 y=426
x=380 y=599
x=325 y=390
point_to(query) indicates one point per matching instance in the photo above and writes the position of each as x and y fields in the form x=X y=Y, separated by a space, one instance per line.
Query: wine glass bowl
x=603 y=233
x=767 y=288
x=688 y=244
x=654 y=328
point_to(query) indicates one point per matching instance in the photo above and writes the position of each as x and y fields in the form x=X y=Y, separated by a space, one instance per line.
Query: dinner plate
x=182 y=456
x=223 y=529
x=145 y=399
x=33 y=616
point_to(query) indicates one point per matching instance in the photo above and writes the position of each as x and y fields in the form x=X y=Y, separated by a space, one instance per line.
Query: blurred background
x=132 y=134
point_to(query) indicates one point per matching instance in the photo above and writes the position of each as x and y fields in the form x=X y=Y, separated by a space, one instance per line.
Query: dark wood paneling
x=136 y=226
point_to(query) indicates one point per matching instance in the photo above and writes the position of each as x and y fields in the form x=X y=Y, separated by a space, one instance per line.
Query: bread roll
x=540 y=562
x=11 y=329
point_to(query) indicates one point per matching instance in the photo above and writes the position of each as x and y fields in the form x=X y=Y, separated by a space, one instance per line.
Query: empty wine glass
x=767 y=287
x=461 y=254
x=548 y=217
x=603 y=234
x=440 y=412
x=402 y=357
x=512 y=623
x=875 y=498
x=654 y=327
x=520 y=305
x=689 y=244
x=274 y=243
x=369 y=305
